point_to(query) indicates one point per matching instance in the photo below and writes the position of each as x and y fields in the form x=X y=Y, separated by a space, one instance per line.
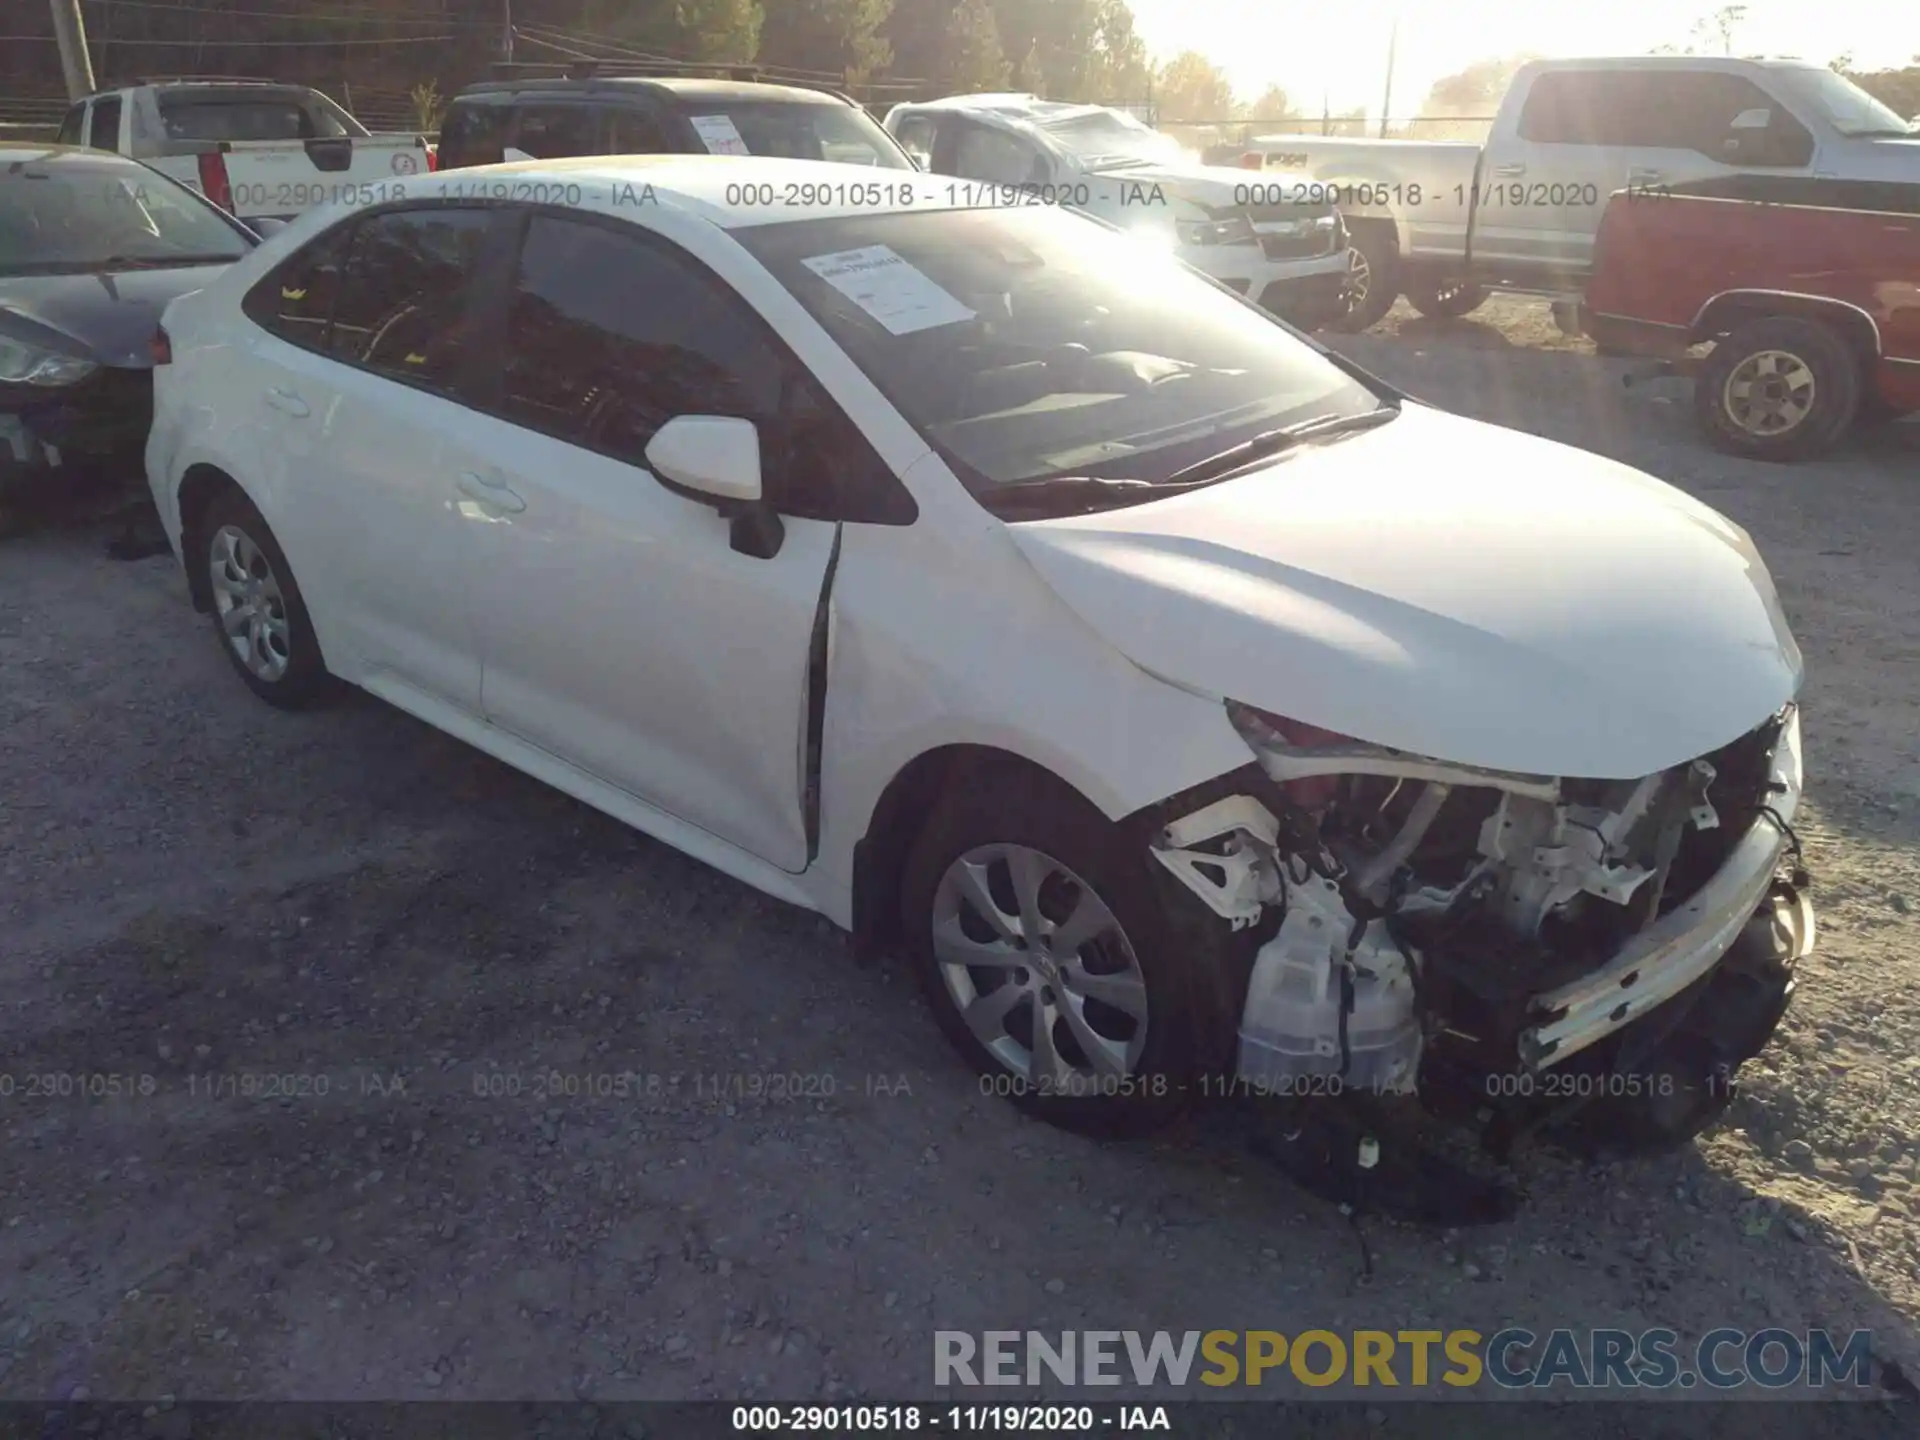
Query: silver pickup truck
x=1445 y=222
x=257 y=149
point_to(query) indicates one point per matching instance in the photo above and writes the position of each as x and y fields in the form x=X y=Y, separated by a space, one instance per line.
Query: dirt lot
x=195 y=886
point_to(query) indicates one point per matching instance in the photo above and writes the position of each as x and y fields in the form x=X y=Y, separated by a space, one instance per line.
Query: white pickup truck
x=1445 y=222
x=258 y=149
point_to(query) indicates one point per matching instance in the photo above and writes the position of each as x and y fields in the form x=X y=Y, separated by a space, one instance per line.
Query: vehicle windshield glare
x=1848 y=108
x=1108 y=139
x=843 y=133
x=80 y=215
x=1025 y=343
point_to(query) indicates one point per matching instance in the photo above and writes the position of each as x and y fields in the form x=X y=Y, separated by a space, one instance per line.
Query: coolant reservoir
x=1290 y=1029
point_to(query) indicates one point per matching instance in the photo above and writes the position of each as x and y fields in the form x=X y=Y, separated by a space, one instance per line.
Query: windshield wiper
x=1092 y=491
x=1272 y=442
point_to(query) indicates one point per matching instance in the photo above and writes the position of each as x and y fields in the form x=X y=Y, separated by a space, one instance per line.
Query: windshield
x=1027 y=343
x=1848 y=108
x=1107 y=139
x=81 y=215
x=803 y=131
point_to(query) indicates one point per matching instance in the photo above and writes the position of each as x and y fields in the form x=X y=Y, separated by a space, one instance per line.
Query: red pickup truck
x=1808 y=290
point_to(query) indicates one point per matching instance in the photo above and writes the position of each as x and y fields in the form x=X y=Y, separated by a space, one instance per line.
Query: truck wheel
x=1782 y=388
x=1445 y=300
x=1373 y=272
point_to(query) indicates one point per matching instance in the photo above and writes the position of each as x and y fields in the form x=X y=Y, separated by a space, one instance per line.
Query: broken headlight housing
x=25 y=364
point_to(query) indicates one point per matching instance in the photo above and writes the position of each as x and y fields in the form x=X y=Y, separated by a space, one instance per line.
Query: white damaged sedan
x=1201 y=715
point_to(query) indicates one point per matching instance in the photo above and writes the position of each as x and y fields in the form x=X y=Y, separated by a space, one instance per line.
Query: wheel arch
x=880 y=855
x=1730 y=309
x=199 y=486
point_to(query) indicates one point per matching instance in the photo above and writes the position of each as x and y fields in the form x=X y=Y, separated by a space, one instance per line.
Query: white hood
x=1448 y=588
x=1220 y=188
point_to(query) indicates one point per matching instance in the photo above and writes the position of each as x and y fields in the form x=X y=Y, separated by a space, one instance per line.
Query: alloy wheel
x=247 y=598
x=1769 y=393
x=1039 y=968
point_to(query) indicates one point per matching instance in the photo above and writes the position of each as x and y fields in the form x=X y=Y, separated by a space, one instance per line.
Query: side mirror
x=716 y=459
x=266 y=227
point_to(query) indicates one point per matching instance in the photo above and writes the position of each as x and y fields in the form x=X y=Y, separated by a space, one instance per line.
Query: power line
x=254 y=44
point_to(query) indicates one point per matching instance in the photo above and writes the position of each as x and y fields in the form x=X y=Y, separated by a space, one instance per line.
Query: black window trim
x=490 y=330
x=461 y=388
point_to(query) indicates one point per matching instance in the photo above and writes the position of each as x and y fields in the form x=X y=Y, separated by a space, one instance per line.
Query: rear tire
x=1782 y=388
x=1445 y=299
x=259 y=616
x=1142 y=999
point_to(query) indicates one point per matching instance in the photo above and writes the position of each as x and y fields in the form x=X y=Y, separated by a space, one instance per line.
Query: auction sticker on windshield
x=719 y=134
x=884 y=285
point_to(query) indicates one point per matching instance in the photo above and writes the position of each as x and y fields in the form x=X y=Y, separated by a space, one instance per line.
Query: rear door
x=370 y=414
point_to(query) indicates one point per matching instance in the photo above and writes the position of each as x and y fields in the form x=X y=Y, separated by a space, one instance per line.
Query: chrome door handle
x=1512 y=167
x=286 y=400
x=489 y=492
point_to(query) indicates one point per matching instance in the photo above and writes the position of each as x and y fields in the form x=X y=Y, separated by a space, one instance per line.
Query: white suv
x=1272 y=242
x=1202 y=716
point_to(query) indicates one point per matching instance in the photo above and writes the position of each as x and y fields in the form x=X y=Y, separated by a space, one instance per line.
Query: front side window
x=554 y=132
x=402 y=309
x=1696 y=111
x=998 y=157
x=916 y=136
x=79 y=213
x=796 y=130
x=1024 y=343
x=610 y=335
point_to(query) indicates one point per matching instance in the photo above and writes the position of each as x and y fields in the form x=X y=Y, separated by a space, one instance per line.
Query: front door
x=619 y=630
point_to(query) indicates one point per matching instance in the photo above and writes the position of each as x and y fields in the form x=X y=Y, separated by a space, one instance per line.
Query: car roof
x=699 y=185
x=1011 y=106
x=672 y=87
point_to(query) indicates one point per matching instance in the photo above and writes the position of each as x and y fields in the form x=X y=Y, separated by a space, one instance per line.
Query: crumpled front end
x=1528 y=951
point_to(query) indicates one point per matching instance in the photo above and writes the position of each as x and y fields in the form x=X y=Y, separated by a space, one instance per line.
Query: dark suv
x=546 y=119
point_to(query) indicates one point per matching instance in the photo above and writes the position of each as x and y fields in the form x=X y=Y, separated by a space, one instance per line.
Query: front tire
x=258 y=613
x=1782 y=388
x=1041 y=941
x=1373 y=276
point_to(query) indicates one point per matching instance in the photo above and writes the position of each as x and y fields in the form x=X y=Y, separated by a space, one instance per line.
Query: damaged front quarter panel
x=1436 y=910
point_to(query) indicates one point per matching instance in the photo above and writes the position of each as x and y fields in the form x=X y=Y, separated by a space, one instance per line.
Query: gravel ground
x=196 y=886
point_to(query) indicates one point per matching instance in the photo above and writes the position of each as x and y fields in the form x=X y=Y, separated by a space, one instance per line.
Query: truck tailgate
x=281 y=178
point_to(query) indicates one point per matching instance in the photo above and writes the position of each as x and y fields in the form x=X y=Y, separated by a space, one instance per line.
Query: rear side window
x=295 y=301
x=104 y=131
x=73 y=128
x=1585 y=107
x=473 y=133
x=402 y=309
x=552 y=132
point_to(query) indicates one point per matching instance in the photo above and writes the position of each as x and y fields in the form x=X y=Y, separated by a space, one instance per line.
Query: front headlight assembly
x=24 y=364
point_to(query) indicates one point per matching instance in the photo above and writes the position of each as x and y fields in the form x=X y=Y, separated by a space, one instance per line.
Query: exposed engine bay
x=1526 y=952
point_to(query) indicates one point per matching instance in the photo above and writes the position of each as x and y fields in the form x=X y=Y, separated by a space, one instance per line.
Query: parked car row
x=1020 y=599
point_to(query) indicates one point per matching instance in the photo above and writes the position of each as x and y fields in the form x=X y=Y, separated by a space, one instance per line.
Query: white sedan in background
x=1203 y=716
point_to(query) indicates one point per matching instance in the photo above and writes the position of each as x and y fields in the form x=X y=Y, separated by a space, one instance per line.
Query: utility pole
x=71 y=33
x=1386 y=101
x=506 y=30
